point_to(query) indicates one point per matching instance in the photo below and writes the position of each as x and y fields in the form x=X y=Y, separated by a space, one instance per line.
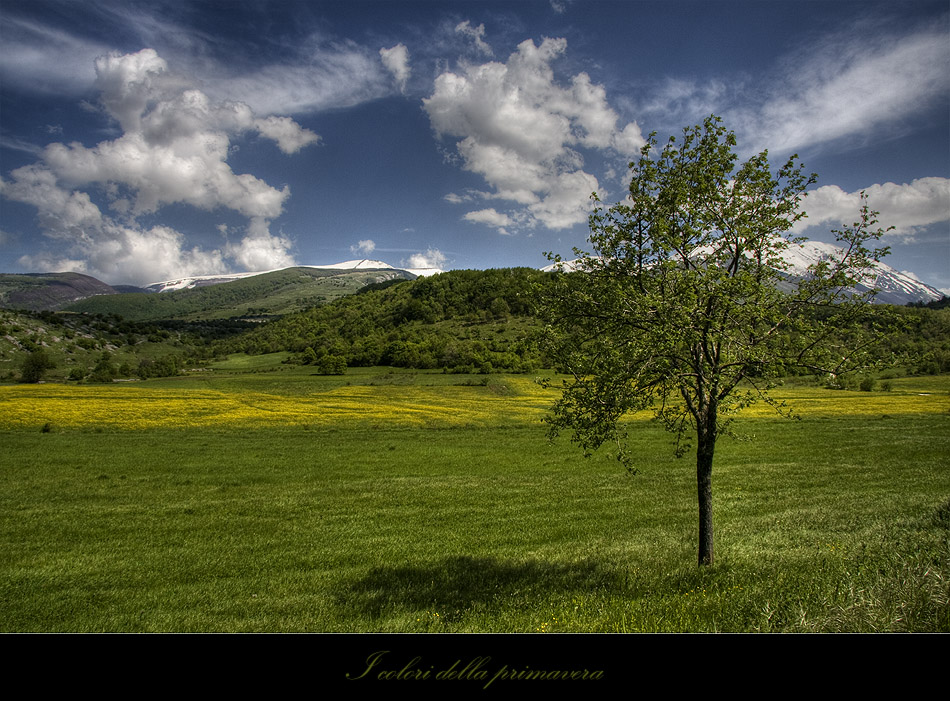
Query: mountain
x=271 y=292
x=893 y=287
x=187 y=283
x=255 y=296
x=48 y=291
x=278 y=292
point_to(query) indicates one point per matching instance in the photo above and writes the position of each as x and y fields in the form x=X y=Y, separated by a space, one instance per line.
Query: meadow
x=257 y=496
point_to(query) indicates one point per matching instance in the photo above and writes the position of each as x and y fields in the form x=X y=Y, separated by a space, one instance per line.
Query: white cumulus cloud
x=289 y=135
x=490 y=217
x=261 y=250
x=128 y=254
x=523 y=131
x=431 y=258
x=907 y=207
x=365 y=247
x=173 y=150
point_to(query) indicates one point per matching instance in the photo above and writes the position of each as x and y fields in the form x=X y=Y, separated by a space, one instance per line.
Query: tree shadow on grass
x=461 y=583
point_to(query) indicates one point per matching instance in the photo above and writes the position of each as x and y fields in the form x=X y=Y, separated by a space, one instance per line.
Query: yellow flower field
x=142 y=406
x=824 y=403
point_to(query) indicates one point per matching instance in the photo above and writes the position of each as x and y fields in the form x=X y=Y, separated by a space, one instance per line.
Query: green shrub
x=104 y=371
x=332 y=365
x=35 y=366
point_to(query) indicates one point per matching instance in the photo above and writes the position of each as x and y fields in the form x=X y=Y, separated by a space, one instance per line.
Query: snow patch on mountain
x=188 y=283
x=362 y=264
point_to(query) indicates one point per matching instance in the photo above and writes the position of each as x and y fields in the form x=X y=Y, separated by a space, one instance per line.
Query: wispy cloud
x=851 y=84
x=476 y=35
x=396 y=60
x=329 y=76
x=45 y=59
x=313 y=74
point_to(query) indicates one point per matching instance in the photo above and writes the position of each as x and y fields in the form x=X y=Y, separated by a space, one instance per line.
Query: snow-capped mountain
x=894 y=287
x=187 y=283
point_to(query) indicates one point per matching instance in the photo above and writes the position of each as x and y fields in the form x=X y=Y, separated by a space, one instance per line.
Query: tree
x=331 y=364
x=685 y=306
x=104 y=371
x=35 y=365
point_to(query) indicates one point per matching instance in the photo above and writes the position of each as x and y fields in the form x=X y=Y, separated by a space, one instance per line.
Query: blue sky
x=141 y=141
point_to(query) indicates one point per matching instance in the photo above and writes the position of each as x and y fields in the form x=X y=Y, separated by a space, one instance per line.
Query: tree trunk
x=704 y=488
x=704 y=463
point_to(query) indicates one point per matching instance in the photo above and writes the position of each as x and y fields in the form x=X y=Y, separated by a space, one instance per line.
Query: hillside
x=461 y=320
x=484 y=321
x=46 y=291
x=266 y=295
x=260 y=296
x=101 y=348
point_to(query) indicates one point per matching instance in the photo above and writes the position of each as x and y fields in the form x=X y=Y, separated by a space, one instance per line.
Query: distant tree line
x=941 y=303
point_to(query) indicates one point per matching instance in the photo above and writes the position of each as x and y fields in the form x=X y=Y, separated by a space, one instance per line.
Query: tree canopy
x=685 y=305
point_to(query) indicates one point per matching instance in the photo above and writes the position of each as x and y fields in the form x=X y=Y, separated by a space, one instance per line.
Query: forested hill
x=485 y=321
x=464 y=320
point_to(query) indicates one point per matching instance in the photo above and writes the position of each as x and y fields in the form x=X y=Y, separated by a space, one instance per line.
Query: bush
x=166 y=366
x=104 y=371
x=331 y=365
x=35 y=366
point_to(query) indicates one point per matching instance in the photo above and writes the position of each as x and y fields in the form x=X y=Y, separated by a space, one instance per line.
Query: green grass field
x=385 y=501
